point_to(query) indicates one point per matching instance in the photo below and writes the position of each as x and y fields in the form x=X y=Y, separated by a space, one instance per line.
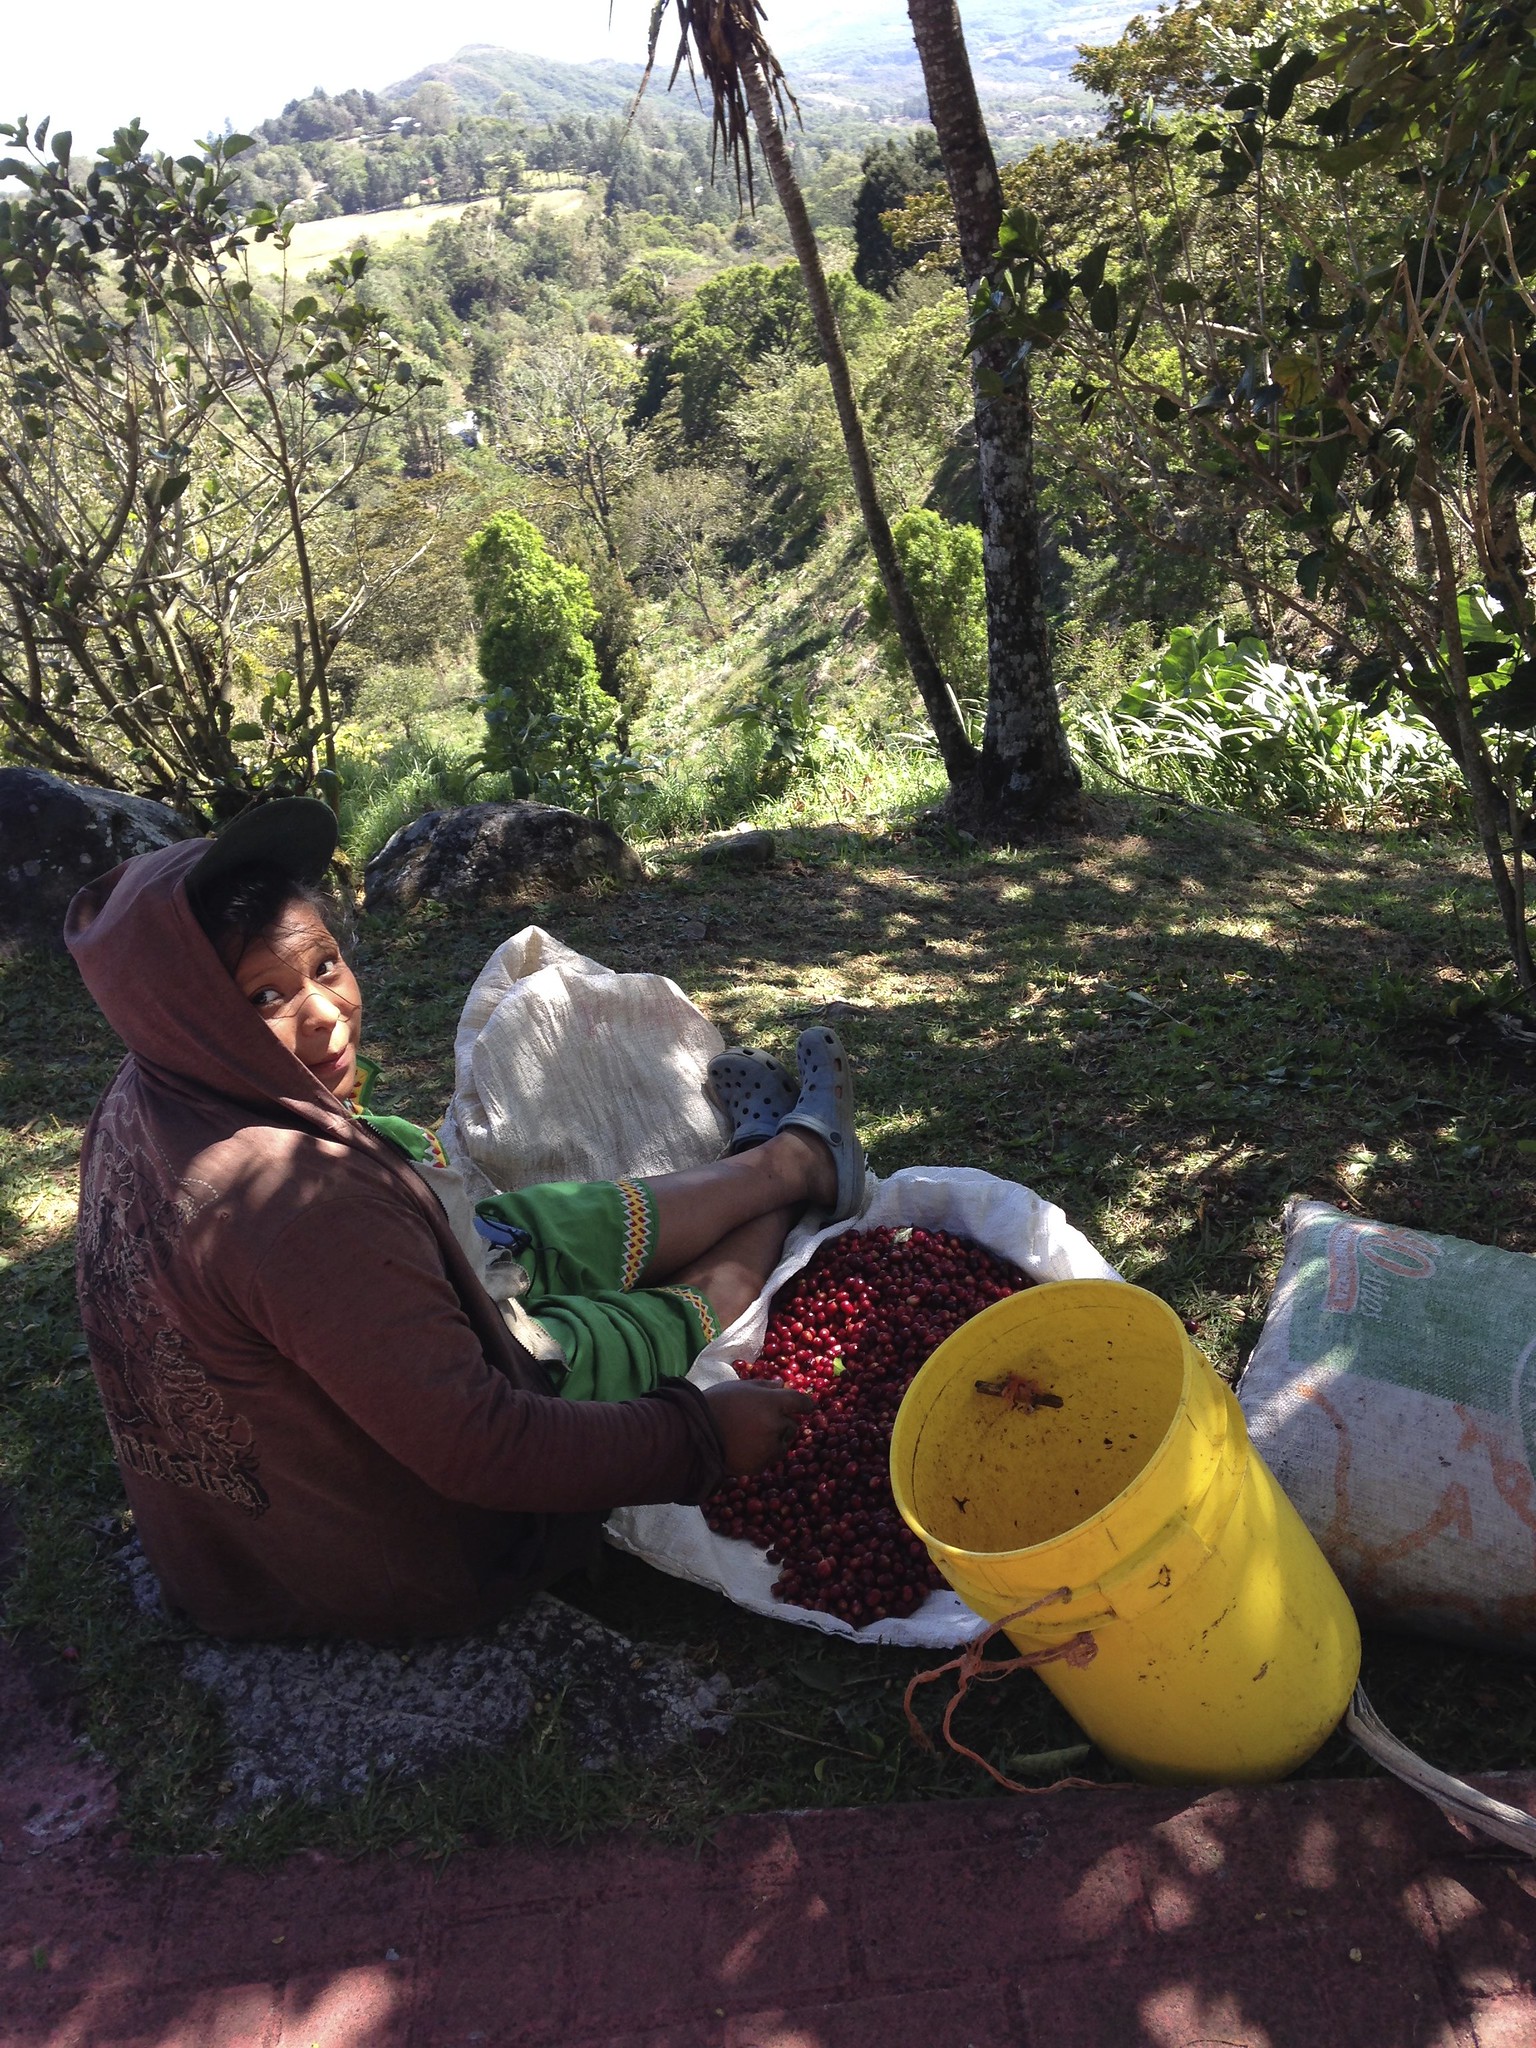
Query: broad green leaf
x=1330 y=457
x=1483 y=657
x=1090 y=275
x=1514 y=706
x=1020 y=233
x=1299 y=378
x=1104 y=308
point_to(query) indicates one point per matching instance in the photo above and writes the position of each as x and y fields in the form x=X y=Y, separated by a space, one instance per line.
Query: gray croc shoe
x=825 y=1106
x=755 y=1091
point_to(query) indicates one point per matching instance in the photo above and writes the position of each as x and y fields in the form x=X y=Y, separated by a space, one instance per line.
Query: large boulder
x=495 y=857
x=739 y=849
x=56 y=835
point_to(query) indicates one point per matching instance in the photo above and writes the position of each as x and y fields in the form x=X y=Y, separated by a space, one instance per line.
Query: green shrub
x=777 y=720
x=863 y=780
x=536 y=620
x=550 y=725
x=1219 y=722
x=942 y=565
x=840 y=778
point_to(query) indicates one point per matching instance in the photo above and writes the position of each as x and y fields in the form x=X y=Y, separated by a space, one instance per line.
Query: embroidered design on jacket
x=166 y=1418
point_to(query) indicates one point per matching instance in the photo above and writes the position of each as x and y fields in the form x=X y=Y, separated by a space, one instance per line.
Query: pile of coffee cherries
x=852 y=1329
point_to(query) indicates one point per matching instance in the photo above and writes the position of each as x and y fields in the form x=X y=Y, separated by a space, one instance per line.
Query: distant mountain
x=1021 y=52
x=1014 y=44
x=538 y=89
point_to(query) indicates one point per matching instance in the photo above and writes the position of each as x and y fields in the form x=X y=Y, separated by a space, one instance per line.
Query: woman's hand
x=758 y=1421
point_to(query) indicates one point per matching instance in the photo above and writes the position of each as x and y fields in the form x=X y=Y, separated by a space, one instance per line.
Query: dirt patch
x=322 y=1721
x=52 y=1787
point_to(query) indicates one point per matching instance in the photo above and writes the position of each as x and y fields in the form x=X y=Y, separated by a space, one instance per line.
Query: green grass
x=1167 y=1026
x=380 y=794
x=315 y=242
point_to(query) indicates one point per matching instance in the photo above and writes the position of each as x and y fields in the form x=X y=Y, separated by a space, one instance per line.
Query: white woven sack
x=1392 y=1393
x=566 y=1070
x=1011 y=1221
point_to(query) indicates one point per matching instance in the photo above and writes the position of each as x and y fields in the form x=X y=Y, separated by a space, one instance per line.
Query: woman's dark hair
x=248 y=900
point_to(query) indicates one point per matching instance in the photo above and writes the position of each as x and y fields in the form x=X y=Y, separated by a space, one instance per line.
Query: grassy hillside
x=316 y=241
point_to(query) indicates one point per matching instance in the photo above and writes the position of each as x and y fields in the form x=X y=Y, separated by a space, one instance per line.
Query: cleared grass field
x=315 y=242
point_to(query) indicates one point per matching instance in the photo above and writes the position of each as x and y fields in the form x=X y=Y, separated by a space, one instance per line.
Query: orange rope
x=971 y=1666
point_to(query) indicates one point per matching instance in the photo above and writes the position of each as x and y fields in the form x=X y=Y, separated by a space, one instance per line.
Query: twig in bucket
x=1014 y=1391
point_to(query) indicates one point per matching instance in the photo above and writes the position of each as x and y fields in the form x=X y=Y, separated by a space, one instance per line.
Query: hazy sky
x=91 y=65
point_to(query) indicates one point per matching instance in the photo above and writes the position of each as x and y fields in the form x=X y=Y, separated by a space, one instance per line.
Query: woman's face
x=297 y=982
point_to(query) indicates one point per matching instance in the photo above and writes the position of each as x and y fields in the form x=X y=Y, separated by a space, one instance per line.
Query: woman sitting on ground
x=323 y=1422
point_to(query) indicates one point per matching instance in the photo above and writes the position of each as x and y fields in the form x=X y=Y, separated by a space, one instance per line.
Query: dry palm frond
x=721 y=38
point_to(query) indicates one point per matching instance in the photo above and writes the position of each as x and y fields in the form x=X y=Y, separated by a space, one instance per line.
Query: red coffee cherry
x=851 y=1330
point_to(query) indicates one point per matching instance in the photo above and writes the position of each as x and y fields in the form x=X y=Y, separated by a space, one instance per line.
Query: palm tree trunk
x=955 y=749
x=1026 y=772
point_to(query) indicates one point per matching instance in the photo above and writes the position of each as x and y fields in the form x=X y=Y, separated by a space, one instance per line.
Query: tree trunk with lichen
x=1026 y=775
x=955 y=749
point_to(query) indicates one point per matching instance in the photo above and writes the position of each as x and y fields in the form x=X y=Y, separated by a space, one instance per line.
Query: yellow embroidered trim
x=639 y=1230
x=699 y=1303
x=435 y=1153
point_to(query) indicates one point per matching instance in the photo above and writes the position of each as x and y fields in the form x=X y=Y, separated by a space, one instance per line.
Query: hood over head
x=169 y=997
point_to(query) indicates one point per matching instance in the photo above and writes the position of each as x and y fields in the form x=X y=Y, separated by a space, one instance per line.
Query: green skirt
x=589 y=1242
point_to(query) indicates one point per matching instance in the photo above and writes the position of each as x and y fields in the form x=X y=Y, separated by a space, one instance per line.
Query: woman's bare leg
x=699 y=1209
x=731 y=1273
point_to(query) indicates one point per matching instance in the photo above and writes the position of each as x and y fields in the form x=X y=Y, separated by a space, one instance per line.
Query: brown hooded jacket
x=322 y=1422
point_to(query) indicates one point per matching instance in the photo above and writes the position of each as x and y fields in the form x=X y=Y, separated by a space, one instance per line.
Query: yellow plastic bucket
x=1071 y=1438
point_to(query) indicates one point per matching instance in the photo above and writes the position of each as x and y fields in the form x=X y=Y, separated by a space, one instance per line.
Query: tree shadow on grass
x=1165 y=1030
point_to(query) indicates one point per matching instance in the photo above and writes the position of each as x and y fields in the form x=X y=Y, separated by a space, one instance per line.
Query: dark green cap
x=294 y=833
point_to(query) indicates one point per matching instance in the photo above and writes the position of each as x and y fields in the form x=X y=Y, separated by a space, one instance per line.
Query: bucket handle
x=972 y=1666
